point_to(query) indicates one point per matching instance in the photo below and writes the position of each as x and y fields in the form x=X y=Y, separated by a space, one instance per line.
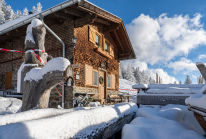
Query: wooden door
x=8 y=79
x=102 y=86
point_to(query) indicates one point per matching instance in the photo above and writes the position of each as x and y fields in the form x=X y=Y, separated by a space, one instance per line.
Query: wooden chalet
x=102 y=41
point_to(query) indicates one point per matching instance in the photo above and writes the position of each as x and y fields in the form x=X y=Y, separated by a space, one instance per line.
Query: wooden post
x=200 y=120
x=157 y=78
x=202 y=69
x=36 y=93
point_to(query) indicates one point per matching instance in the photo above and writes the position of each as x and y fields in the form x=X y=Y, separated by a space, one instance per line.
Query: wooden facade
x=102 y=42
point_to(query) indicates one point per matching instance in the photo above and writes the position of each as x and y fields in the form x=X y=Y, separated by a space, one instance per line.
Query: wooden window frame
x=92 y=38
x=108 y=46
x=93 y=77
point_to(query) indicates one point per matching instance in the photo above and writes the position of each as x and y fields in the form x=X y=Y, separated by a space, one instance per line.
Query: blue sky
x=169 y=44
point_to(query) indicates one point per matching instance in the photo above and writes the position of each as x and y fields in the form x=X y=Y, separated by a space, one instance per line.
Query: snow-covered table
x=163 y=94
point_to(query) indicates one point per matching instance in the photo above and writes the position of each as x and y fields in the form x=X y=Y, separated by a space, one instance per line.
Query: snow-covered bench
x=163 y=94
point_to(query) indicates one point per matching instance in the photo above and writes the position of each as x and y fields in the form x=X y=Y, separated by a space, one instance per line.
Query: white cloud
x=184 y=65
x=193 y=76
x=201 y=57
x=161 y=39
x=166 y=79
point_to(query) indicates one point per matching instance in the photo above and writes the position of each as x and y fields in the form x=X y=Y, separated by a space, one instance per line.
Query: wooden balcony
x=99 y=50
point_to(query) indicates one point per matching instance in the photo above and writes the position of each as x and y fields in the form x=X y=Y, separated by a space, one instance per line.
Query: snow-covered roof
x=11 y=25
x=27 y=19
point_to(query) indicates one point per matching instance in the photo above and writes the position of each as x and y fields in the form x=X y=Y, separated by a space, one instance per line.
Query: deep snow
x=168 y=122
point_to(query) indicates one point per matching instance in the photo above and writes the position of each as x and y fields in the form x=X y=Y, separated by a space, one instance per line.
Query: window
x=95 y=37
x=95 y=78
x=97 y=40
x=106 y=46
x=109 y=81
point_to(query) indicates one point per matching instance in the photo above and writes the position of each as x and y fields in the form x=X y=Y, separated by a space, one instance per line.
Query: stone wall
x=55 y=98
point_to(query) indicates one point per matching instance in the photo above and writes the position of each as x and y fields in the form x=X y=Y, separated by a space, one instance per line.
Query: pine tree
x=145 y=78
x=175 y=82
x=2 y=19
x=188 y=80
x=151 y=81
x=39 y=7
x=25 y=12
x=120 y=71
x=129 y=74
x=180 y=82
x=9 y=14
x=123 y=71
x=17 y=14
x=33 y=9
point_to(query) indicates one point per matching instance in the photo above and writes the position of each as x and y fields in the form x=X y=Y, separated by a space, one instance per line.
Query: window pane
x=95 y=78
x=109 y=81
x=97 y=39
x=106 y=46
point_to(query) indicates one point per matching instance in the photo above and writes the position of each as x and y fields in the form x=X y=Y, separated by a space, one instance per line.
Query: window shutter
x=92 y=35
x=111 y=51
x=113 y=81
x=88 y=75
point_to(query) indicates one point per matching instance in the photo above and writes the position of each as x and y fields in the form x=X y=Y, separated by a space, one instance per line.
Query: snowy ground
x=9 y=105
x=168 y=122
x=125 y=84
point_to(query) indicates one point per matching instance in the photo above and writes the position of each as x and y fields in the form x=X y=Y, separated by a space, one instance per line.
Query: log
x=36 y=93
x=202 y=69
x=109 y=130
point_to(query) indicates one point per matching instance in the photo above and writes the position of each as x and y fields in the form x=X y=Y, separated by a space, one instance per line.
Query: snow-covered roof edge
x=45 y=13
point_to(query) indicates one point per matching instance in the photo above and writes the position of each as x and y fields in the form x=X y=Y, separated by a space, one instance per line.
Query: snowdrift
x=168 y=122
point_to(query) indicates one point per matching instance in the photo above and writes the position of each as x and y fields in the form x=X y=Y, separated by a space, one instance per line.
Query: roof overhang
x=83 y=12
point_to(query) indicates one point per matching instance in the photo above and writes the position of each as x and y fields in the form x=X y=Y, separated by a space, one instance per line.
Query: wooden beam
x=102 y=21
x=85 y=20
x=74 y=12
x=9 y=37
x=201 y=121
x=125 y=55
x=112 y=28
x=63 y=15
x=119 y=41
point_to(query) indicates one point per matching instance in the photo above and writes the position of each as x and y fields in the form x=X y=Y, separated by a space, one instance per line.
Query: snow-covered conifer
x=175 y=82
x=180 y=82
x=9 y=14
x=39 y=7
x=17 y=14
x=144 y=78
x=120 y=71
x=138 y=76
x=25 y=12
x=33 y=9
x=188 y=80
x=129 y=74
x=151 y=81
x=2 y=19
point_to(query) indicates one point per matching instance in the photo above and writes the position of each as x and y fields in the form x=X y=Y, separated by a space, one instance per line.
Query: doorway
x=8 y=80
x=102 y=85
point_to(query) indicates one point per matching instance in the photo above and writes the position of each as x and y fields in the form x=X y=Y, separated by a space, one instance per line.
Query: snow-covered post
x=39 y=81
x=202 y=68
